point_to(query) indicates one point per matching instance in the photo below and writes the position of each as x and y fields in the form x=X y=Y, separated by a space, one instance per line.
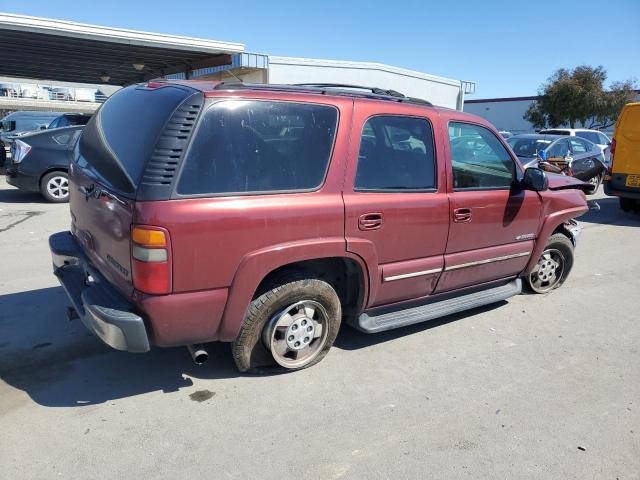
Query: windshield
x=527 y=147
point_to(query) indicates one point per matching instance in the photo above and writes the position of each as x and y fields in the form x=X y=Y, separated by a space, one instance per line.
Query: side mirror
x=9 y=125
x=543 y=155
x=43 y=127
x=535 y=179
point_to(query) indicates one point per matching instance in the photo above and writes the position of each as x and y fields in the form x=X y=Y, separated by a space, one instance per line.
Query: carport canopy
x=65 y=51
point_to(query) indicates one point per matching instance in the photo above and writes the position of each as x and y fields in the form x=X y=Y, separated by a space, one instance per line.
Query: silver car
x=573 y=156
x=594 y=136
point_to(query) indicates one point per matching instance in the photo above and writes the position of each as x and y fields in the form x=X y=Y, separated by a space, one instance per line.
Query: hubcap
x=297 y=334
x=58 y=187
x=548 y=272
x=594 y=181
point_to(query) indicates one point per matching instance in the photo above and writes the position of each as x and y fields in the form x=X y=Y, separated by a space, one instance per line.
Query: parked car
x=40 y=162
x=572 y=156
x=215 y=223
x=505 y=134
x=17 y=124
x=623 y=179
x=9 y=89
x=594 y=136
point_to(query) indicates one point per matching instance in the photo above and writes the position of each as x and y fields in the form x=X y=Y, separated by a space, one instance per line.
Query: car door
x=587 y=159
x=493 y=222
x=396 y=206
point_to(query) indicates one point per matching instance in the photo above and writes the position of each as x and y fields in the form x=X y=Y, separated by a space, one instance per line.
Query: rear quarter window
x=245 y=147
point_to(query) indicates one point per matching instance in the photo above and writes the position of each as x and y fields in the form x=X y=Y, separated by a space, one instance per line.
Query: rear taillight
x=150 y=259
x=20 y=150
x=612 y=149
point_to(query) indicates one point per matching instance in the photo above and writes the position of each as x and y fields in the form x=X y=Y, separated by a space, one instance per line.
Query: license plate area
x=633 y=181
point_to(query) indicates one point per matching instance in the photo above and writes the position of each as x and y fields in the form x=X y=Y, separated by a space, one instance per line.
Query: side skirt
x=408 y=316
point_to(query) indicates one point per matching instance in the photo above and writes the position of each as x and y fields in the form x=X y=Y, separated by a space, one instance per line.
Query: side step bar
x=409 y=316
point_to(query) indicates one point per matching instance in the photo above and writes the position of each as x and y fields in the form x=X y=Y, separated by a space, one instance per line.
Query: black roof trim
x=328 y=89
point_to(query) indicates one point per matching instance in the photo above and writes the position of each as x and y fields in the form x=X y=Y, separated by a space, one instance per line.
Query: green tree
x=572 y=97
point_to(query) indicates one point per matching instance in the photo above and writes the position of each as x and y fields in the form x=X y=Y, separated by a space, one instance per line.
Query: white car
x=594 y=136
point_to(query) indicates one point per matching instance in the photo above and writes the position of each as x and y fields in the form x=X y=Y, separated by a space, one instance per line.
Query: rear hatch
x=129 y=152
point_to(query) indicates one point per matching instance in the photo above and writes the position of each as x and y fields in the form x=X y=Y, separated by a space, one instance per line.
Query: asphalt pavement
x=537 y=387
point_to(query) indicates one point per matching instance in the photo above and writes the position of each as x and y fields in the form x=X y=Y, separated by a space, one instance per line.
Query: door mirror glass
x=535 y=179
x=543 y=155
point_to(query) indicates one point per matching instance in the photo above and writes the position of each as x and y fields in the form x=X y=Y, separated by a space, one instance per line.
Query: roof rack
x=376 y=90
x=328 y=89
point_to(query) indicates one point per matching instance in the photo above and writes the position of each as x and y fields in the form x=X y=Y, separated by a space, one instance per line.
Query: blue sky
x=507 y=47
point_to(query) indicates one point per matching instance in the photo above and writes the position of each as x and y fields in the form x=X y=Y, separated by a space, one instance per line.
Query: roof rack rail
x=327 y=89
x=376 y=90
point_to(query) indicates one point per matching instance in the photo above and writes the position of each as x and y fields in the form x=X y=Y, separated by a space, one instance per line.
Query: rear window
x=259 y=146
x=119 y=139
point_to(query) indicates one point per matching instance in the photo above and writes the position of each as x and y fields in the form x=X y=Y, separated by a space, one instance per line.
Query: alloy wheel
x=297 y=334
x=58 y=187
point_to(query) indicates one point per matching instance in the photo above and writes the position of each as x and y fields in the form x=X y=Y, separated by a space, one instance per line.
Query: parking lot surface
x=535 y=387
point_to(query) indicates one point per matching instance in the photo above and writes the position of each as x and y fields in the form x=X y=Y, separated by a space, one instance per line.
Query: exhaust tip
x=198 y=353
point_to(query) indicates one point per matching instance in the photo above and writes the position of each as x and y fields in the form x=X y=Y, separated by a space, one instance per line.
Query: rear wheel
x=292 y=326
x=553 y=267
x=54 y=187
x=595 y=182
x=627 y=204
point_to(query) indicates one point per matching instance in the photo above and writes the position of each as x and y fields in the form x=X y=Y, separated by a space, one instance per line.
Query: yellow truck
x=623 y=180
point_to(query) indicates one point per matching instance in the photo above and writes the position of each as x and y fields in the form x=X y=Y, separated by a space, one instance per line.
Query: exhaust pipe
x=198 y=353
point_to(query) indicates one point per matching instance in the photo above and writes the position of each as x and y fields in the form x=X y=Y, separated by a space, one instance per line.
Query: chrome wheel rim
x=594 y=181
x=296 y=335
x=58 y=187
x=548 y=272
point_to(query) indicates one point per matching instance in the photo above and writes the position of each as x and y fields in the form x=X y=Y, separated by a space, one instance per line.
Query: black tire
x=250 y=352
x=558 y=248
x=53 y=195
x=627 y=204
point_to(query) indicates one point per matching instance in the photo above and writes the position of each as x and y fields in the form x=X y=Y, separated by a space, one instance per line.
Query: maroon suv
x=265 y=215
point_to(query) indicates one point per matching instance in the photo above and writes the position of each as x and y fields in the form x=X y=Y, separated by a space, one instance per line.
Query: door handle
x=462 y=215
x=370 y=221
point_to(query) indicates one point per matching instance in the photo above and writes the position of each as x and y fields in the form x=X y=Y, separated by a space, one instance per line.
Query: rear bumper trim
x=102 y=309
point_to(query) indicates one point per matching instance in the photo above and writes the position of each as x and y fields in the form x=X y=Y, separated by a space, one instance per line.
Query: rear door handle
x=370 y=221
x=462 y=215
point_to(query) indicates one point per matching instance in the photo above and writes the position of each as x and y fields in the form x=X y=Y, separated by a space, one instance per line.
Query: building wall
x=504 y=115
x=440 y=91
x=507 y=113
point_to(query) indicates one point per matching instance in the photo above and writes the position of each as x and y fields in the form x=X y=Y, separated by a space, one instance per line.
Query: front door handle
x=370 y=221
x=462 y=215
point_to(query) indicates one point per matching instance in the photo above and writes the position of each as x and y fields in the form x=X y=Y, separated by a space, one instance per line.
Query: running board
x=409 y=316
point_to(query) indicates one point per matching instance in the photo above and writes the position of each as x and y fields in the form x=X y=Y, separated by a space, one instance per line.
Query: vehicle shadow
x=13 y=195
x=59 y=363
x=610 y=213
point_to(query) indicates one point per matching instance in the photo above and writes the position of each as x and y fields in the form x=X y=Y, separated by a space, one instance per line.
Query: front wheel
x=553 y=267
x=292 y=325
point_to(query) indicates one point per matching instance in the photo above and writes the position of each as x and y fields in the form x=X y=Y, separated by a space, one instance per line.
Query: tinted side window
x=396 y=153
x=479 y=160
x=560 y=149
x=259 y=146
x=591 y=136
x=64 y=138
x=578 y=146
